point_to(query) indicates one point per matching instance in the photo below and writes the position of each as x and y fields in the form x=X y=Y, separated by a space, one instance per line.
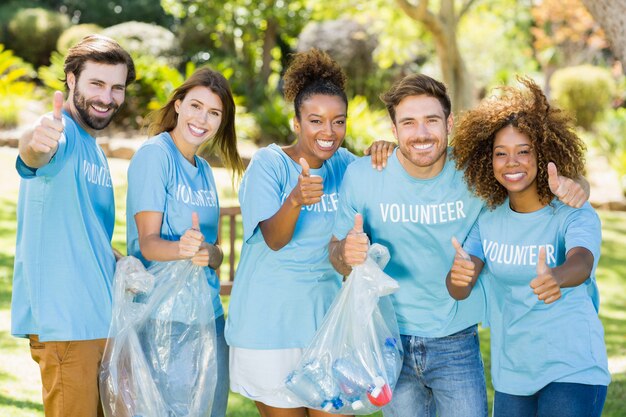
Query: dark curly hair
x=550 y=130
x=310 y=73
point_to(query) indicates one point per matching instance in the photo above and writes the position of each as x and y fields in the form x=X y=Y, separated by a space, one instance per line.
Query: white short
x=260 y=375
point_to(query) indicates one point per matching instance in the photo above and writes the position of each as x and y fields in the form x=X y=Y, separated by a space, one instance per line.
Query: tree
x=565 y=34
x=442 y=24
x=250 y=39
x=611 y=15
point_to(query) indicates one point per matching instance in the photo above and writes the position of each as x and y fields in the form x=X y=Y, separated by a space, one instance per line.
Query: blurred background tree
x=472 y=45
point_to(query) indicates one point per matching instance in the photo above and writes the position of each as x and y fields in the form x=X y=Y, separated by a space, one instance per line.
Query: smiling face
x=515 y=164
x=321 y=128
x=199 y=118
x=421 y=128
x=98 y=93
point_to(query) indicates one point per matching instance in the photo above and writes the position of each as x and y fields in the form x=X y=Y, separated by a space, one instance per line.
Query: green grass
x=20 y=394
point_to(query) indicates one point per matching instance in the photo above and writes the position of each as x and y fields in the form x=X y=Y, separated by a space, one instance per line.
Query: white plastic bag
x=355 y=358
x=160 y=358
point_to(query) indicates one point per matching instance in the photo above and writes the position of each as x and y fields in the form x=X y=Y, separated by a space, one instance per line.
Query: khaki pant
x=69 y=375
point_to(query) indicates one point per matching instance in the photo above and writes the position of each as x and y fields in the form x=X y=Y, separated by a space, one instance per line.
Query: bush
x=33 y=34
x=274 y=121
x=365 y=125
x=145 y=39
x=52 y=76
x=156 y=80
x=585 y=91
x=74 y=34
x=15 y=86
x=609 y=137
x=108 y=13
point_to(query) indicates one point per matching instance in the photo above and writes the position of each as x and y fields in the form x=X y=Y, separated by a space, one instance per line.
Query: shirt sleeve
x=583 y=229
x=148 y=175
x=260 y=193
x=347 y=207
x=472 y=244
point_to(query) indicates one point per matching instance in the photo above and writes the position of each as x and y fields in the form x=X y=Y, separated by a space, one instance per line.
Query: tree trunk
x=611 y=15
x=443 y=28
x=269 y=42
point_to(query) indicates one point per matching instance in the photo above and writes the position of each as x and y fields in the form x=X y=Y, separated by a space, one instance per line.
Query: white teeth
x=514 y=177
x=422 y=146
x=325 y=143
x=100 y=109
x=196 y=130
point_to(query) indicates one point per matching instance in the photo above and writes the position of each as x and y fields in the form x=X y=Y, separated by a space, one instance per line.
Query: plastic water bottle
x=353 y=380
x=317 y=371
x=392 y=359
x=307 y=390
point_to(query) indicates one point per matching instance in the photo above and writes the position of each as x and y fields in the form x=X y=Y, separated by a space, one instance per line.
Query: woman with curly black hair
x=285 y=283
x=540 y=256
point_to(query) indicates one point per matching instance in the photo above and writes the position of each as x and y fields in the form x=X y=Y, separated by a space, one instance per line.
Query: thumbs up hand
x=309 y=188
x=545 y=284
x=462 y=271
x=356 y=244
x=45 y=139
x=566 y=189
x=191 y=242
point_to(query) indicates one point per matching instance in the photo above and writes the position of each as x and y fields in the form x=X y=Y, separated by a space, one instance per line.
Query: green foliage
x=586 y=91
x=33 y=34
x=245 y=122
x=8 y=10
x=365 y=125
x=506 y=23
x=111 y=12
x=274 y=120
x=156 y=80
x=53 y=75
x=15 y=88
x=609 y=137
x=74 y=34
x=253 y=38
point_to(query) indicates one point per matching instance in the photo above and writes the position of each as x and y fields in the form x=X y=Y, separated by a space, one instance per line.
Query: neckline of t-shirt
x=395 y=162
x=314 y=171
x=533 y=214
x=82 y=131
x=184 y=160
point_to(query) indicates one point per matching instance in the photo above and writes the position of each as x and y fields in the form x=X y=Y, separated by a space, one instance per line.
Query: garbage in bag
x=355 y=358
x=160 y=358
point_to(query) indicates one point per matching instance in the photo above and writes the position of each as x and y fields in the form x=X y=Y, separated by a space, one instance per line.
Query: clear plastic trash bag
x=355 y=358
x=160 y=358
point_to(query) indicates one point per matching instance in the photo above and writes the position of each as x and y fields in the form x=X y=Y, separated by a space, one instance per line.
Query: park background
x=574 y=49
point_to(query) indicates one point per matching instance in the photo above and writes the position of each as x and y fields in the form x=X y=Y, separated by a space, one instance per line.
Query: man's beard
x=83 y=105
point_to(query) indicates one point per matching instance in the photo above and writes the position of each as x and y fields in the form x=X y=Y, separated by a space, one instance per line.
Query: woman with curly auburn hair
x=285 y=283
x=540 y=256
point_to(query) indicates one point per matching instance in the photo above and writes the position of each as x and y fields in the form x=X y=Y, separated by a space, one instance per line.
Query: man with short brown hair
x=64 y=262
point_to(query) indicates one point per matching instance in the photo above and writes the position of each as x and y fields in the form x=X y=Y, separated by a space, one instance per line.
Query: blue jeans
x=557 y=399
x=441 y=376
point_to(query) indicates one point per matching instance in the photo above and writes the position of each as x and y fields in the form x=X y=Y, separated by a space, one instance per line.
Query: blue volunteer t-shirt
x=533 y=343
x=415 y=219
x=64 y=262
x=279 y=298
x=160 y=179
